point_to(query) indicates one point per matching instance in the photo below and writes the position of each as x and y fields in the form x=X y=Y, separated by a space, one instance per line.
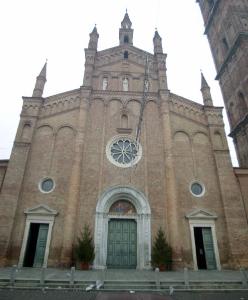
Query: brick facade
x=64 y=137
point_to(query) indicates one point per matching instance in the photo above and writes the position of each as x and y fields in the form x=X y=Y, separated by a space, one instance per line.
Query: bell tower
x=226 y=26
x=126 y=32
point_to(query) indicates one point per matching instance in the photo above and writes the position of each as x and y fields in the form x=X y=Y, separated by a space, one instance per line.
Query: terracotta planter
x=84 y=266
x=163 y=268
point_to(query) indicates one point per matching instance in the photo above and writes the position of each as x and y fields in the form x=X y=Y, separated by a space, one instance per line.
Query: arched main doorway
x=122 y=229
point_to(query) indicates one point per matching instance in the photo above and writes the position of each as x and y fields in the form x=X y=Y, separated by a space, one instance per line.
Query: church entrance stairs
x=123 y=280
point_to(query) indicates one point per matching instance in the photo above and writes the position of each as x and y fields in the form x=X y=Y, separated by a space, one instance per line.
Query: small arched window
x=126 y=55
x=126 y=39
x=26 y=131
x=124 y=121
x=225 y=44
x=125 y=84
x=105 y=83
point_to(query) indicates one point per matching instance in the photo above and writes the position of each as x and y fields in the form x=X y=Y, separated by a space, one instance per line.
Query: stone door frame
x=40 y=214
x=143 y=219
x=203 y=218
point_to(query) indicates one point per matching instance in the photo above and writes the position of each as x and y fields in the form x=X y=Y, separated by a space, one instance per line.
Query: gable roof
x=200 y=214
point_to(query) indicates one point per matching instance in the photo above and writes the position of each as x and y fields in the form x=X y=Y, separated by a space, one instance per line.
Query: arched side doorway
x=104 y=217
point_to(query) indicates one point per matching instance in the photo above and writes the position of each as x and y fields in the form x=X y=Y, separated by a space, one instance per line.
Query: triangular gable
x=41 y=209
x=121 y=48
x=113 y=56
x=200 y=214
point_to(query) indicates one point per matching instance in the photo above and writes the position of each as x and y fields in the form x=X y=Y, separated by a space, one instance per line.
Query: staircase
x=137 y=281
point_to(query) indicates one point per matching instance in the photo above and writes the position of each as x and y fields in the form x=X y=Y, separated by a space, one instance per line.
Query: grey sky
x=58 y=30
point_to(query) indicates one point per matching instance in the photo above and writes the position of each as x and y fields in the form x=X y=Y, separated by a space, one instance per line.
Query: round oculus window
x=123 y=151
x=47 y=185
x=197 y=189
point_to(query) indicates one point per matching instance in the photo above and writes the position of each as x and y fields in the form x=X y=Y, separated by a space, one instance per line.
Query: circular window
x=197 y=189
x=123 y=151
x=47 y=185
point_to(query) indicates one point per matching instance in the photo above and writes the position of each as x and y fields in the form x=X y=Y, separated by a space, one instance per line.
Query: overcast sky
x=58 y=30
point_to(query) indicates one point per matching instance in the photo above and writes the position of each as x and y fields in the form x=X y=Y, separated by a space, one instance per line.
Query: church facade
x=125 y=155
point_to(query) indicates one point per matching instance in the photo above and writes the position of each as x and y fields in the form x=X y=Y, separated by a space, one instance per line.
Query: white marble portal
x=41 y=214
x=143 y=219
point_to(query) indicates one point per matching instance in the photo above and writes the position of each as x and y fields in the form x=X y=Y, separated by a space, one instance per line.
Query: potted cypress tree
x=84 y=249
x=161 y=252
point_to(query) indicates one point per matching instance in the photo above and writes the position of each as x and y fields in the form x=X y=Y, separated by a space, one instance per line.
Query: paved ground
x=68 y=295
x=211 y=296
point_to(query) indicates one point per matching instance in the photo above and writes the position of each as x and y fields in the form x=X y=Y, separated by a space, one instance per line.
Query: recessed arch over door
x=142 y=217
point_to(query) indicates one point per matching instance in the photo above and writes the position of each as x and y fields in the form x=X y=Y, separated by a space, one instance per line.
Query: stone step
x=121 y=285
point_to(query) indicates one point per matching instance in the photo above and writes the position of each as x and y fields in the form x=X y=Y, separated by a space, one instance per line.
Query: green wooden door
x=40 y=246
x=122 y=244
x=209 y=248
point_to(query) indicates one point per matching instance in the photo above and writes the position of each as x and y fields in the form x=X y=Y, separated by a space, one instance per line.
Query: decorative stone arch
x=143 y=219
x=56 y=131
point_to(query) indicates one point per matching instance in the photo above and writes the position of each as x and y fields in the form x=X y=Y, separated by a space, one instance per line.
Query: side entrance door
x=204 y=248
x=36 y=245
x=122 y=244
x=209 y=248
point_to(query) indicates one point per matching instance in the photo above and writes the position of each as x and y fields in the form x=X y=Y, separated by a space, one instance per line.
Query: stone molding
x=143 y=220
x=61 y=105
x=41 y=210
x=40 y=214
x=201 y=214
x=187 y=108
x=63 y=96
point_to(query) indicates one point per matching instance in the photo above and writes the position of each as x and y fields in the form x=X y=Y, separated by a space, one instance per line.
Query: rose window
x=123 y=152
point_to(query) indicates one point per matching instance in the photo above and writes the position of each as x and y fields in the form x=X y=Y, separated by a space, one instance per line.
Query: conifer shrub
x=161 y=252
x=84 y=249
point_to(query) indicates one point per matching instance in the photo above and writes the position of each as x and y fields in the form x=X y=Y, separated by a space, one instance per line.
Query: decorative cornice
x=201 y=214
x=23 y=115
x=214 y=115
x=124 y=130
x=21 y=144
x=63 y=95
x=58 y=105
x=201 y=123
x=41 y=210
x=187 y=108
x=57 y=113
x=191 y=103
x=240 y=171
x=121 y=94
x=40 y=99
x=121 y=48
x=239 y=126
